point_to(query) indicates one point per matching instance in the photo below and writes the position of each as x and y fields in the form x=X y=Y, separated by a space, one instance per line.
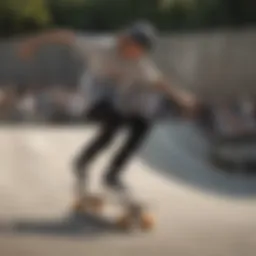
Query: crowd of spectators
x=64 y=105
x=230 y=119
x=40 y=104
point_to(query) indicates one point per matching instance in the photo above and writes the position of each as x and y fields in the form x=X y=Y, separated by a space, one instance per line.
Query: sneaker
x=114 y=184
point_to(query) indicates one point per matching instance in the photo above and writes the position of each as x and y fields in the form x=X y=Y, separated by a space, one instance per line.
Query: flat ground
x=36 y=195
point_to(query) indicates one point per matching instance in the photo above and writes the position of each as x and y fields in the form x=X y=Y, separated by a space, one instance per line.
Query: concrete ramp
x=36 y=195
x=181 y=152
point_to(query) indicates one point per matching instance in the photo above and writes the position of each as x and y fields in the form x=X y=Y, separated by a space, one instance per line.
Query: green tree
x=17 y=16
x=106 y=15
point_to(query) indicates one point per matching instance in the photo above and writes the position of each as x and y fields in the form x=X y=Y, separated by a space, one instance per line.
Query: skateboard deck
x=120 y=213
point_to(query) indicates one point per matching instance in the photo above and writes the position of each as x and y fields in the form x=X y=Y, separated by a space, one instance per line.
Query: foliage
x=106 y=15
x=17 y=16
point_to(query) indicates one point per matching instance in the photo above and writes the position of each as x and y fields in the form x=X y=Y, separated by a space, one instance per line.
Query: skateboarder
x=121 y=87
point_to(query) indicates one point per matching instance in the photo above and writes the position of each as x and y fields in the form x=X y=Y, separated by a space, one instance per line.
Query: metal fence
x=216 y=65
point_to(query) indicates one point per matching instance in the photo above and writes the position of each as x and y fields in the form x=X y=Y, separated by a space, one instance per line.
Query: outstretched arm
x=185 y=100
x=30 y=45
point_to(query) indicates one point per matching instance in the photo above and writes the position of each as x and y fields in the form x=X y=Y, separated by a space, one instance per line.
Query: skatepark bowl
x=181 y=151
x=199 y=209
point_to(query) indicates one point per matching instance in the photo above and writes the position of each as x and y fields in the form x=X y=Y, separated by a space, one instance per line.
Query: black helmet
x=143 y=33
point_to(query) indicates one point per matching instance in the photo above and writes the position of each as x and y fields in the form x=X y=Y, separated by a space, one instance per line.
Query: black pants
x=110 y=122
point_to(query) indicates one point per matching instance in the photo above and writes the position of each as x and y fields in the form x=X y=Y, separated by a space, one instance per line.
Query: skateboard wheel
x=147 y=222
x=125 y=222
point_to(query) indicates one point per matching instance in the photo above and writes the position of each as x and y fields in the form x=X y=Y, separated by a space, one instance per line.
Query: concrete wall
x=216 y=64
x=219 y=64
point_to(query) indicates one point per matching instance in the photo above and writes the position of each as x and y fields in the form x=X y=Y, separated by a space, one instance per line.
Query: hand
x=192 y=109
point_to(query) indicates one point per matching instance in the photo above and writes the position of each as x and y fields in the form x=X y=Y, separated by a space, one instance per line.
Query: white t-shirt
x=128 y=84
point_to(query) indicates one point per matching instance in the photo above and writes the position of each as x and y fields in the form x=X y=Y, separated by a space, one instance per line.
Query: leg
x=98 y=144
x=109 y=126
x=138 y=129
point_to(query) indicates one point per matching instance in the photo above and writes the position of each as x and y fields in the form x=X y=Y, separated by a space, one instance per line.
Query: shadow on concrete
x=73 y=225
x=180 y=151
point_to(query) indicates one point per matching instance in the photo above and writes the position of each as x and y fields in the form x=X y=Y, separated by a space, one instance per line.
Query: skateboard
x=133 y=215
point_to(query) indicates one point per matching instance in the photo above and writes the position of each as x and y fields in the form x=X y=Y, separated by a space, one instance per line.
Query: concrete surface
x=36 y=194
x=181 y=151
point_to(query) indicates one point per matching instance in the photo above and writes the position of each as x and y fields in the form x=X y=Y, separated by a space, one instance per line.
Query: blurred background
x=206 y=45
x=196 y=175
